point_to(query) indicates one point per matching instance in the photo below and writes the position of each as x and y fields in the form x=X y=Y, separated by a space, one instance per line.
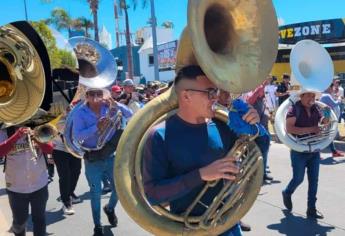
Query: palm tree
x=82 y=23
x=94 y=9
x=124 y=7
x=61 y=20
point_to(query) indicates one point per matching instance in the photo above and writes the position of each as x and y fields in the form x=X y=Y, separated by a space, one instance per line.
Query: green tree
x=67 y=59
x=49 y=41
x=61 y=20
x=94 y=9
x=58 y=57
x=82 y=23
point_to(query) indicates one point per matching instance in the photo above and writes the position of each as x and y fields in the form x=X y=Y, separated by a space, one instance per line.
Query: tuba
x=233 y=43
x=25 y=73
x=97 y=68
x=312 y=67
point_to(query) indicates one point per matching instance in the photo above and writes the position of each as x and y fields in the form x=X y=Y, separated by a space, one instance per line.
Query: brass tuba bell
x=22 y=74
x=233 y=43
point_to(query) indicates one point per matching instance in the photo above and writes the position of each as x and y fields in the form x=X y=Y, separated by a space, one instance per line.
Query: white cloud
x=281 y=21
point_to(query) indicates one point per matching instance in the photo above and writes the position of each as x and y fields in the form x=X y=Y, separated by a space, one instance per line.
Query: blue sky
x=288 y=11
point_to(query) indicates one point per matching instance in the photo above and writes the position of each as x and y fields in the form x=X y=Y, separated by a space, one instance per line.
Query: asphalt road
x=267 y=216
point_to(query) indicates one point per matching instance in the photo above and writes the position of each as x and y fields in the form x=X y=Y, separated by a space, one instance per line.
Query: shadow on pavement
x=107 y=230
x=292 y=225
x=332 y=161
x=51 y=218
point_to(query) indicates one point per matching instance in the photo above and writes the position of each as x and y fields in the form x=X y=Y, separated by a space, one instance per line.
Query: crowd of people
x=169 y=174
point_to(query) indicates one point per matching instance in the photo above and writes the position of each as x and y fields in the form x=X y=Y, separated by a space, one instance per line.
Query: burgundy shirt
x=302 y=119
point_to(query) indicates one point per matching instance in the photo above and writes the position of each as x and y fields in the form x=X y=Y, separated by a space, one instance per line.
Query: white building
x=144 y=36
x=105 y=38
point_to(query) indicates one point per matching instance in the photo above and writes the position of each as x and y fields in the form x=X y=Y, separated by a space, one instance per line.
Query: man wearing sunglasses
x=88 y=122
x=188 y=149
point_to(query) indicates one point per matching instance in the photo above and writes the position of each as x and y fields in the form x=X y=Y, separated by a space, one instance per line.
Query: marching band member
x=303 y=119
x=88 y=122
x=68 y=168
x=188 y=148
x=26 y=178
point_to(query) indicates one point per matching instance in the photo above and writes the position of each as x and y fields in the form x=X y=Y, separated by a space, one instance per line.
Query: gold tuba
x=22 y=73
x=233 y=43
x=312 y=67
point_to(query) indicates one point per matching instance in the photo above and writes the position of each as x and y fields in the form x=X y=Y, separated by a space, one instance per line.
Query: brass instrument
x=23 y=78
x=42 y=134
x=234 y=45
x=114 y=116
x=312 y=67
x=98 y=69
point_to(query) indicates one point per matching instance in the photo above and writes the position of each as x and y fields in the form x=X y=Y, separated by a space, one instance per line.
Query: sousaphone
x=24 y=73
x=312 y=67
x=233 y=43
x=98 y=69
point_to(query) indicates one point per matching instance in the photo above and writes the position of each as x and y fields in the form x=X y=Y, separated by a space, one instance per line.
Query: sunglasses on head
x=95 y=93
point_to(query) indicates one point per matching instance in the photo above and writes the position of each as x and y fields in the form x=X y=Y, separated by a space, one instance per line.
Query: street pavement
x=267 y=216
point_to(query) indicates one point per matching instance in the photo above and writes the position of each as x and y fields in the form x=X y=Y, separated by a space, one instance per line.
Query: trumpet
x=43 y=134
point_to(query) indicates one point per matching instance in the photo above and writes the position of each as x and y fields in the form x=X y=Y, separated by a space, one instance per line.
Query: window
x=151 y=61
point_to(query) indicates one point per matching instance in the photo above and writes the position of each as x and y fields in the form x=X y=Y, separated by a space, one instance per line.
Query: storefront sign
x=325 y=31
x=167 y=55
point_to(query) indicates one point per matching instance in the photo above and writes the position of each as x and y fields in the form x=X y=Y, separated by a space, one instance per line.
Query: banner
x=324 y=31
x=167 y=55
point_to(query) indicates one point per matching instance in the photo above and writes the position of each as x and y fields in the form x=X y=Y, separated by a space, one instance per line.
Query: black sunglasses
x=95 y=93
x=212 y=93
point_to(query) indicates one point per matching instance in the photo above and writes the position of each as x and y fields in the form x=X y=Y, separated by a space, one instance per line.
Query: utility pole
x=26 y=11
x=154 y=40
x=116 y=24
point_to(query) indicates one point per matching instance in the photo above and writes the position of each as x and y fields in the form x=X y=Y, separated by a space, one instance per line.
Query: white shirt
x=271 y=98
x=23 y=173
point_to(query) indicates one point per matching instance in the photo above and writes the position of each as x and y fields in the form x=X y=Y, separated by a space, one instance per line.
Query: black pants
x=68 y=168
x=19 y=203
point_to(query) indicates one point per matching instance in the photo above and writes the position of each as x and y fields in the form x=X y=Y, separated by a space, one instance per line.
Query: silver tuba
x=312 y=67
x=97 y=68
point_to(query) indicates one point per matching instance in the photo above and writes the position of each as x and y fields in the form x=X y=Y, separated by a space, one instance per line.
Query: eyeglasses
x=95 y=93
x=212 y=93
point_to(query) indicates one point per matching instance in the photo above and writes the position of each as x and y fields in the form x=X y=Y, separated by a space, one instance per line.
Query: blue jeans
x=94 y=172
x=263 y=143
x=234 y=231
x=300 y=162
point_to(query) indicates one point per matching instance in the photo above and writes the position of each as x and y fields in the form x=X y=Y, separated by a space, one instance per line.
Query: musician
x=26 y=178
x=88 y=122
x=188 y=149
x=68 y=168
x=282 y=91
x=303 y=119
